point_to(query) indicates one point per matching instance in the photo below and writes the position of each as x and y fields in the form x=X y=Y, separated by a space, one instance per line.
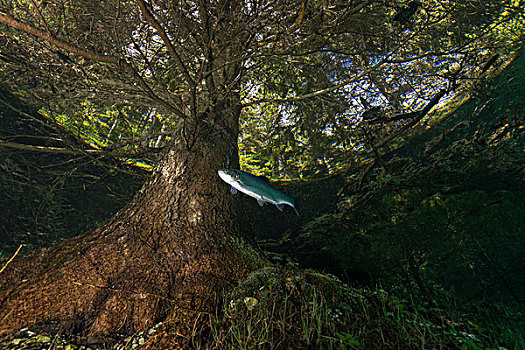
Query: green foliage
x=302 y=89
x=348 y=340
x=441 y=225
x=443 y=212
x=284 y=308
x=448 y=208
x=133 y=134
x=291 y=137
x=306 y=309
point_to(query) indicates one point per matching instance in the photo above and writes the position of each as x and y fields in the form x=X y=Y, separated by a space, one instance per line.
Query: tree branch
x=171 y=49
x=428 y=107
x=12 y=22
x=42 y=17
x=33 y=148
x=90 y=153
x=152 y=93
x=299 y=21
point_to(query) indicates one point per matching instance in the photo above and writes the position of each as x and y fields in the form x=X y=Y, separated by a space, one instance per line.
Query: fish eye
x=237 y=176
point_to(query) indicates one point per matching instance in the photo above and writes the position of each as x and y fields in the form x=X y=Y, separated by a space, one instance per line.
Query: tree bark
x=164 y=257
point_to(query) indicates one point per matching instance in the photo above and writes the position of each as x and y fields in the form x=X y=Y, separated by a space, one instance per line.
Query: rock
x=18 y=341
x=42 y=338
x=251 y=303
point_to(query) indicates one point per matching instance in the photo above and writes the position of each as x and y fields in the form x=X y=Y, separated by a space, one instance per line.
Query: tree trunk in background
x=164 y=257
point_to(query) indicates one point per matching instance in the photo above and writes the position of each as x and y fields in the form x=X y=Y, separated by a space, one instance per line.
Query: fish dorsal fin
x=260 y=201
x=233 y=190
x=264 y=178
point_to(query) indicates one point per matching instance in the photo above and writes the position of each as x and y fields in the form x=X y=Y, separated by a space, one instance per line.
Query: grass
x=283 y=308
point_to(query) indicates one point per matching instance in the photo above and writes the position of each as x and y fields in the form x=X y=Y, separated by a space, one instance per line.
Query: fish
x=258 y=187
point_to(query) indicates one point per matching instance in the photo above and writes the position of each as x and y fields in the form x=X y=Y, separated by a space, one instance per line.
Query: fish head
x=230 y=176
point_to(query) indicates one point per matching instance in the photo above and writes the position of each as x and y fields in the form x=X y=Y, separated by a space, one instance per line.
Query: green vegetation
x=282 y=308
x=440 y=225
x=446 y=207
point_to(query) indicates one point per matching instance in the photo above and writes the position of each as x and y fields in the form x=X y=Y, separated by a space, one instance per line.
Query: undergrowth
x=285 y=308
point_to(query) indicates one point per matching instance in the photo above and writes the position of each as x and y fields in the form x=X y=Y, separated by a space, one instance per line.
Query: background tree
x=191 y=67
x=51 y=186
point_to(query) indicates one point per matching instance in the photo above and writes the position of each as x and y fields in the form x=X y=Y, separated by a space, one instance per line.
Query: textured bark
x=164 y=257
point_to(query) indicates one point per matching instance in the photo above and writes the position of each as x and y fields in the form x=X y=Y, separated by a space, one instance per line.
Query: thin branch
x=52 y=126
x=109 y=152
x=11 y=21
x=149 y=91
x=299 y=21
x=317 y=92
x=14 y=255
x=33 y=148
x=24 y=136
x=428 y=107
x=42 y=17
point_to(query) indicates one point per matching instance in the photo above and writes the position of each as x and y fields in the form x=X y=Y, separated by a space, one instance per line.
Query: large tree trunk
x=164 y=257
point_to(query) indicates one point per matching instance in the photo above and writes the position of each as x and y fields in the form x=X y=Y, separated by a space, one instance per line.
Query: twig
x=290 y=30
x=49 y=149
x=42 y=17
x=7 y=263
x=428 y=107
x=317 y=92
